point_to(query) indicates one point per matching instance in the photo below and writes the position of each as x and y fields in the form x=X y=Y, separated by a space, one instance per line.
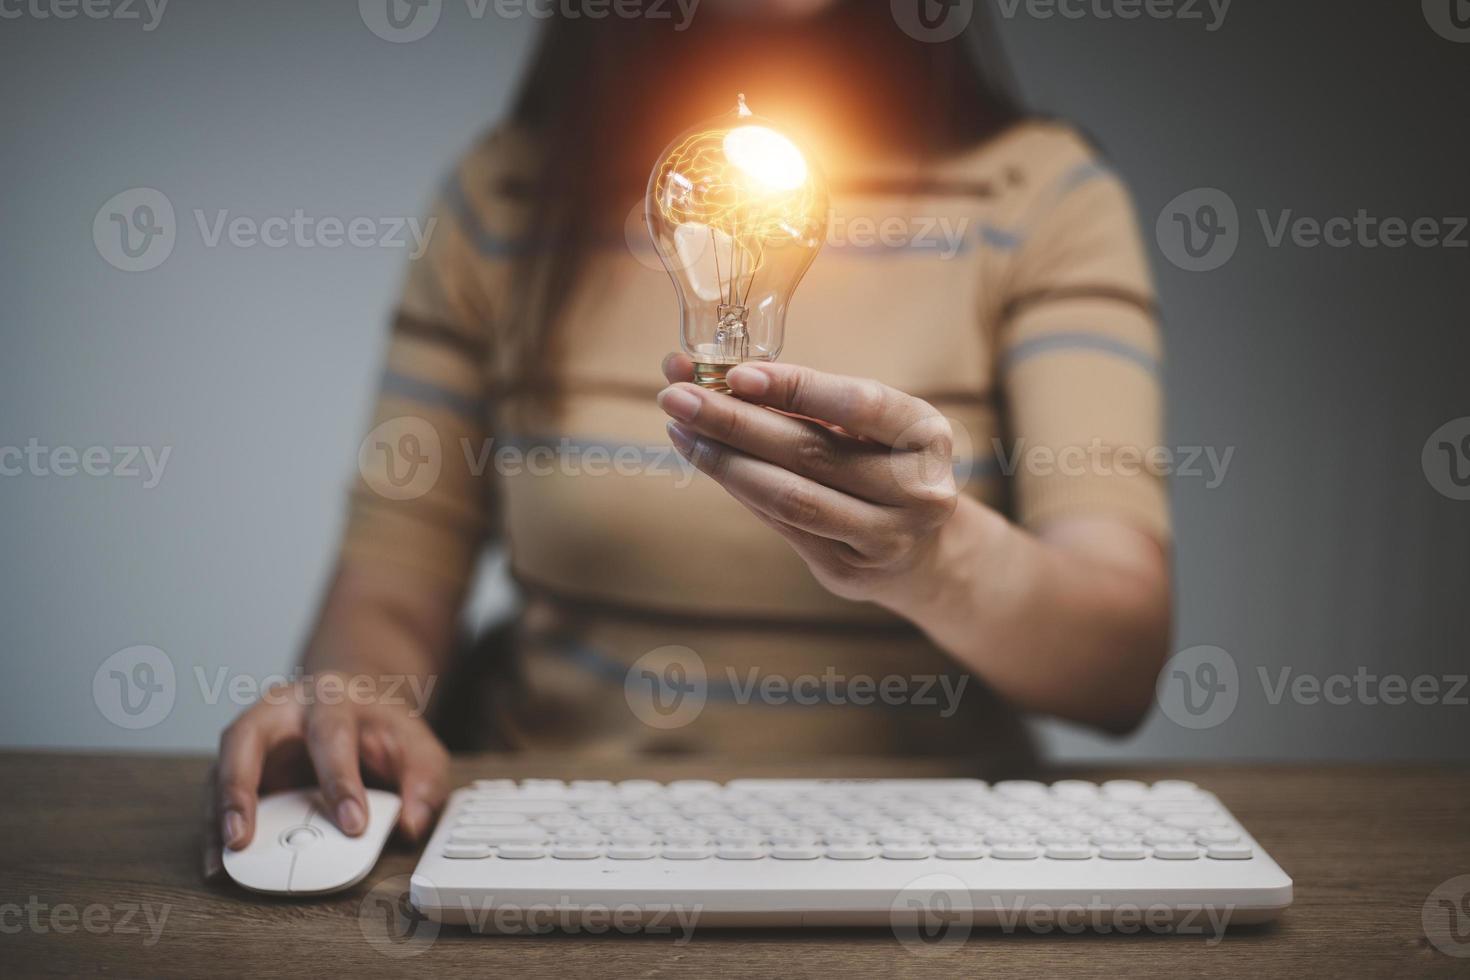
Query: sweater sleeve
x=421 y=501
x=1079 y=360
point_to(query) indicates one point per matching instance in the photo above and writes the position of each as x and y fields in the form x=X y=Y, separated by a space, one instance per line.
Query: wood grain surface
x=101 y=871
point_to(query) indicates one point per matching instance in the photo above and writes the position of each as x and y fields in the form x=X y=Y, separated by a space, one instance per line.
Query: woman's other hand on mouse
x=329 y=729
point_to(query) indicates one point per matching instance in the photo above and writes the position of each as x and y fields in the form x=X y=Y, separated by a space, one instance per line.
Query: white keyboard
x=509 y=856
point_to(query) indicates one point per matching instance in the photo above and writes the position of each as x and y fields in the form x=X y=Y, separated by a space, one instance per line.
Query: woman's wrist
x=941 y=583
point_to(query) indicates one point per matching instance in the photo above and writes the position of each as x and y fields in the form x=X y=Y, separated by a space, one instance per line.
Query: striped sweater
x=1007 y=286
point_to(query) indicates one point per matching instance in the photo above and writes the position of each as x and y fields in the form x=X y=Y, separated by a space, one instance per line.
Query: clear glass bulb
x=737 y=213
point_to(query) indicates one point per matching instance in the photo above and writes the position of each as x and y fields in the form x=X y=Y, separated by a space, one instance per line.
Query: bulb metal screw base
x=712 y=376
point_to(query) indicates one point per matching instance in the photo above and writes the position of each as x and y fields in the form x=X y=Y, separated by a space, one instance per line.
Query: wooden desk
x=97 y=835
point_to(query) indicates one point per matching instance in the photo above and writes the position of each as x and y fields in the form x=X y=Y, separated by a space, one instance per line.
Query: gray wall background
x=1326 y=549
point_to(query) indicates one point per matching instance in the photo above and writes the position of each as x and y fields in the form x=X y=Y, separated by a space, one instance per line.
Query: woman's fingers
x=211 y=865
x=423 y=780
x=781 y=494
x=242 y=752
x=862 y=406
x=678 y=367
x=863 y=468
x=331 y=739
x=402 y=750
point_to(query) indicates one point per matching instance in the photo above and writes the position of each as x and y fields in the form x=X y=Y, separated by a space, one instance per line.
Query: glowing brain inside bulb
x=737 y=213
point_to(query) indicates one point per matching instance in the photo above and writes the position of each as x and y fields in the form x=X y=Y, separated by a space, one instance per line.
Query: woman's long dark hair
x=603 y=97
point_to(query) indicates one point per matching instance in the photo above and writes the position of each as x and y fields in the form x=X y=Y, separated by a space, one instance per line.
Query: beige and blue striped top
x=1007 y=286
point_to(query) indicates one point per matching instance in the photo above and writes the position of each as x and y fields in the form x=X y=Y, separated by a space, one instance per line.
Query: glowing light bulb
x=737 y=212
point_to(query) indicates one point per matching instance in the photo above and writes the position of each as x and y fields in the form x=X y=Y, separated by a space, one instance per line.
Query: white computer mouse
x=298 y=850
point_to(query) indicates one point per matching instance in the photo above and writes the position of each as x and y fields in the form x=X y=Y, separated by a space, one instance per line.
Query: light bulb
x=737 y=213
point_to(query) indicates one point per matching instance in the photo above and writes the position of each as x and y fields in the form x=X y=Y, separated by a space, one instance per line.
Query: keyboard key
x=1008 y=834
x=494 y=785
x=907 y=851
x=1122 y=851
x=492 y=819
x=555 y=821
x=530 y=833
x=1021 y=789
x=635 y=788
x=577 y=850
x=960 y=851
x=1216 y=835
x=1176 y=852
x=692 y=787
x=1074 y=789
x=1230 y=851
x=522 y=852
x=631 y=851
x=851 y=852
x=900 y=835
x=461 y=852
x=1165 y=835
x=1069 y=852
x=1124 y=789
x=795 y=852
x=1015 y=851
x=740 y=851
x=688 y=852
x=528 y=807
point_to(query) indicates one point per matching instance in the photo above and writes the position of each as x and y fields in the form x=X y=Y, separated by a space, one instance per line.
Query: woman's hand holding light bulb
x=858 y=478
x=861 y=493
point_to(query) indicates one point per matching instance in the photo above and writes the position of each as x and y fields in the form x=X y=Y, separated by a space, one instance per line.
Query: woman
x=1005 y=335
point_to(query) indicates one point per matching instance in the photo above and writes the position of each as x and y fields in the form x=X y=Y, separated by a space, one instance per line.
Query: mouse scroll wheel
x=300 y=836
